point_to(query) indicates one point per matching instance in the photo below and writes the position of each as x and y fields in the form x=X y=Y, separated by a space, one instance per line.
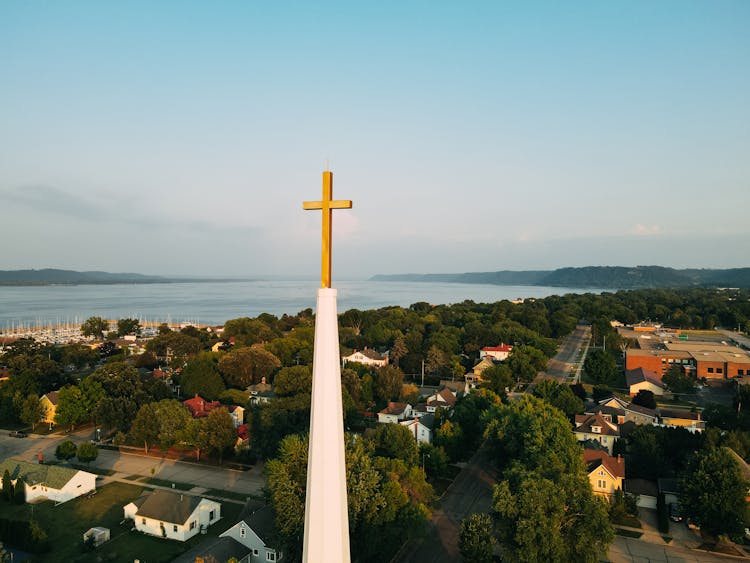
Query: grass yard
x=228 y=494
x=66 y=523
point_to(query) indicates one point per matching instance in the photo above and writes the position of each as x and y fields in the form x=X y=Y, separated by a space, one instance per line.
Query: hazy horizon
x=182 y=139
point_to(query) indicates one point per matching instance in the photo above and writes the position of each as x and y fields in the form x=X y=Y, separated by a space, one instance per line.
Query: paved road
x=470 y=492
x=566 y=363
x=204 y=477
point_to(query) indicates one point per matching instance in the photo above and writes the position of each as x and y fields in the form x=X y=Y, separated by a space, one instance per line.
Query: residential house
x=255 y=531
x=499 y=353
x=175 y=516
x=458 y=388
x=238 y=415
x=248 y=541
x=52 y=482
x=680 y=418
x=606 y=473
x=628 y=412
x=260 y=393
x=595 y=427
x=641 y=379
x=368 y=357
x=421 y=428
x=395 y=413
x=200 y=407
x=475 y=377
x=644 y=490
x=445 y=398
x=49 y=403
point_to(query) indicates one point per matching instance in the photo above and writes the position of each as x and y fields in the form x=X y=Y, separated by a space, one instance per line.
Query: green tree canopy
x=714 y=491
x=128 y=326
x=87 y=452
x=476 y=540
x=600 y=366
x=201 y=376
x=244 y=366
x=95 y=326
x=293 y=380
x=65 y=450
x=559 y=395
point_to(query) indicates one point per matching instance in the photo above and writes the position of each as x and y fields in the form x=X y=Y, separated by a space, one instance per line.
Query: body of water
x=215 y=302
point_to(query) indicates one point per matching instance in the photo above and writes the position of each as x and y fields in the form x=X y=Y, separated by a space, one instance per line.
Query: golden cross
x=327 y=205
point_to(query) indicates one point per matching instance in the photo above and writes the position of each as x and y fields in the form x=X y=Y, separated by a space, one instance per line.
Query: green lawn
x=66 y=523
x=167 y=483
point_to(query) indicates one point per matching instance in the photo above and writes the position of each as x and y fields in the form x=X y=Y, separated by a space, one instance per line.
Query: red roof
x=501 y=348
x=199 y=407
x=242 y=432
x=595 y=458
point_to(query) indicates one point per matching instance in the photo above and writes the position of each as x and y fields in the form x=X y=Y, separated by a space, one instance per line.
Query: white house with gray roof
x=171 y=515
x=52 y=482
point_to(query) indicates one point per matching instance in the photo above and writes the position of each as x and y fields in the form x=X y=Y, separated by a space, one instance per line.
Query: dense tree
x=77 y=355
x=19 y=491
x=388 y=382
x=161 y=423
x=498 y=379
x=645 y=398
x=713 y=492
x=247 y=331
x=128 y=326
x=145 y=427
x=65 y=450
x=437 y=360
x=244 y=366
x=475 y=538
x=124 y=394
x=217 y=432
x=544 y=505
x=600 y=367
x=525 y=362
x=201 y=376
x=87 y=452
x=174 y=346
x=398 y=350
x=559 y=395
x=395 y=441
x=293 y=381
x=31 y=411
x=677 y=381
x=95 y=326
x=71 y=407
x=7 y=486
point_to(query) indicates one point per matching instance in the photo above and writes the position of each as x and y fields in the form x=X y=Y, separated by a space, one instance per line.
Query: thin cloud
x=646 y=230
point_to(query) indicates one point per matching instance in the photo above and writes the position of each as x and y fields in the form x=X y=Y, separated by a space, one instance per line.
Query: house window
x=740 y=372
x=255 y=553
x=710 y=370
x=192 y=525
x=211 y=515
x=174 y=527
x=270 y=556
x=243 y=533
x=719 y=370
x=601 y=483
x=143 y=521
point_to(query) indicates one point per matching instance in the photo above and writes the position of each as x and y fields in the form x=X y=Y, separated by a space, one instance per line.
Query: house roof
x=642 y=487
x=199 y=406
x=394 y=408
x=455 y=386
x=167 y=506
x=52 y=476
x=214 y=549
x=52 y=396
x=640 y=409
x=370 y=353
x=679 y=413
x=640 y=375
x=446 y=395
x=261 y=520
x=596 y=458
x=586 y=422
x=501 y=348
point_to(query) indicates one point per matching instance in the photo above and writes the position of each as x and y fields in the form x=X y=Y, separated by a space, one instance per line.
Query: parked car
x=17 y=434
x=674 y=512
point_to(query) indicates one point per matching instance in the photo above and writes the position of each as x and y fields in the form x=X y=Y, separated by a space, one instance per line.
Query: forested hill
x=52 y=276
x=600 y=277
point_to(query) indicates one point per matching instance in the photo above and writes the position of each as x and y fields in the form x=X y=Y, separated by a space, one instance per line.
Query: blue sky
x=182 y=137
